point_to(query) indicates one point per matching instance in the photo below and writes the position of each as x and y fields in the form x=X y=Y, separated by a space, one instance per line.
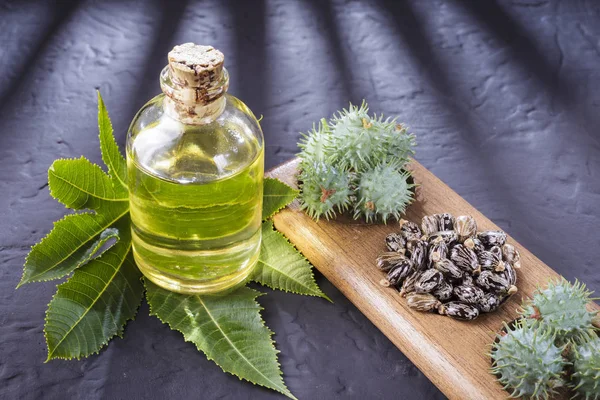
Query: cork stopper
x=196 y=66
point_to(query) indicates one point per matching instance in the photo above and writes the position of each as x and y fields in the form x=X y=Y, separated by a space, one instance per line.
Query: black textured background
x=503 y=96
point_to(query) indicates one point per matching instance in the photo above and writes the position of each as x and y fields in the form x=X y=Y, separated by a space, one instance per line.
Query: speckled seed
x=488 y=303
x=497 y=251
x=493 y=282
x=428 y=281
x=409 y=230
x=437 y=250
x=418 y=254
x=395 y=242
x=468 y=294
x=397 y=274
x=467 y=279
x=408 y=286
x=423 y=301
x=474 y=244
x=509 y=273
x=511 y=255
x=429 y=224
x=450 y=237
x=389 y=260
x=464 y=258
x=444 y=291
x=488 y=260
x=459 y=310
x=446 y=221
x=465 y=226
x=492 y=238
x=449 y=269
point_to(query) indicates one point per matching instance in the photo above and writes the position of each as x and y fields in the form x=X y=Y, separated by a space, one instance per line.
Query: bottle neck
x=193 y=105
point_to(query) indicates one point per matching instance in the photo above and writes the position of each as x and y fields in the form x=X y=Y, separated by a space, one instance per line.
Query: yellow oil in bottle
x=195 y=163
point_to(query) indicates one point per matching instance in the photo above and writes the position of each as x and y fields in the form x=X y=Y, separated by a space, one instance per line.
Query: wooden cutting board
x=452 y=354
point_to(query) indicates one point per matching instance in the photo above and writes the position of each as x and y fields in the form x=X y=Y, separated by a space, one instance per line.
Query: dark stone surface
x=504 y=98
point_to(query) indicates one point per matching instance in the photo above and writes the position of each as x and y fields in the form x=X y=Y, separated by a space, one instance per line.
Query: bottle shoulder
x=188 y=153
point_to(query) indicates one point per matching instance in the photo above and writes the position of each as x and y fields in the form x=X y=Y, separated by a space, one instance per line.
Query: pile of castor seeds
x=446 y=266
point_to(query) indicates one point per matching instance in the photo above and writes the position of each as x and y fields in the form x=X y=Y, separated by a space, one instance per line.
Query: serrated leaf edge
x=257 y=294
x=295 y=191
x=102 y=107
x=104 y=342
x=319 y=292
x=21 y=283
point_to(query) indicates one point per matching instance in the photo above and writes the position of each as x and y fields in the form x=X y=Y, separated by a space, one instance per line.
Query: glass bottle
x=195 y=160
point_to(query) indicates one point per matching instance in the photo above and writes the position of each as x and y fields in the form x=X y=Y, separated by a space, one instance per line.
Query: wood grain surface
x=452 y=354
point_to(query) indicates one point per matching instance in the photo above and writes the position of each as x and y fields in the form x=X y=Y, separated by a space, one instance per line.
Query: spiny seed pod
x=444 y=291
x=561 y=308
x=474 y=244
x=395 y=242
x=429 y=224
x=492 y=238
x=422 y=301
x=465 y=226
x=488 y=260
x=586 y=369
x=324 y=190
x=397 y=274
x=449 y=269
x=428 y=281
x=488 y=303
x=468 y=294
x=418 y=254
x=446 y=222
x=511 y=255
x=387 y=261
x=450 y=237
x=383 y=193
x=494 y=282
x=527 y=362
x=458 y=310
x=438 y=250
x=464 y=258
x=409 y=230
x=408 y=286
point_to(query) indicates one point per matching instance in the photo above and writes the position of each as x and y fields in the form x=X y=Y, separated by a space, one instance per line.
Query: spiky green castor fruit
x=359 y=141
x=561 y=308
x=586 y=369
x=324 y=190
x=527 y=362
x=316 y=144
x=383 y=192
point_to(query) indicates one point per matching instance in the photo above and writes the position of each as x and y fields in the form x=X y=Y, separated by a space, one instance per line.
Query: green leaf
x=228 y=329
x=95 y=303
x=112 y=157
x=75 y=240
x=281 y=266
x=79 y=184
x=276 y=195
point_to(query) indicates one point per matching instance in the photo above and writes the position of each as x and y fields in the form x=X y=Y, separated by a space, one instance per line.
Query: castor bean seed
x=444 y=291
x=474 y=244
x=409 y=230
x=428 y=281
x=468 y=294
x=493 y=282
x=418 y=254
x=511 y=255
x=389 y=260
x=408 y=286
x=464 y=258
x=488 y=303
x=437 y=250
x=423 y=301
x=459 y=310
x=446 y=221
x=449 y=269
x=488 y=260
x=397 y=274
x=429 y=224
x=509 y=273
x=395 y=242
x=465 y=226
x=450 y=237
x=492 y=238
